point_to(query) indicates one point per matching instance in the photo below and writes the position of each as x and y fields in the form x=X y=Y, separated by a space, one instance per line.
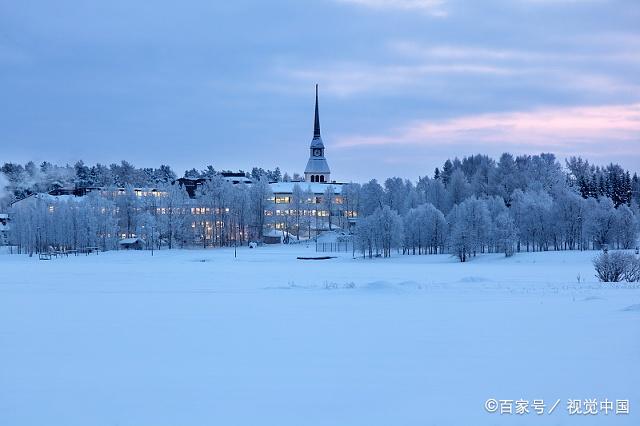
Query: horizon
x=380 y=179
x=404 y=85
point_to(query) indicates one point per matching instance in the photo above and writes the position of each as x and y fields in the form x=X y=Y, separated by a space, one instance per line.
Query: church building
x=317 y=213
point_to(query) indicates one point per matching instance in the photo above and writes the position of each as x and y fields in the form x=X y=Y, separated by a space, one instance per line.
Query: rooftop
x=316 y=188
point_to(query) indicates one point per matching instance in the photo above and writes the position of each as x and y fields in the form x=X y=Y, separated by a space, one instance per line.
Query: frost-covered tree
x=506 y=178
x=531 y=211
x=396 y=194
x=380 y=232
x=366 y=239
x=172 y=220
x=146 y=228
x=328 y=204
x=434 y=192
x=310 y=208
x=297 y=205
x=128 y=205
x=106 y=220
x=389 y=227
x=506 y=234
x=600 y=222
x=371 y=197
x=567 y=220
x=240 y=213
x=260 y=196
x=458 y=187
x=425 y=229
x=216 y=196
x=350 y=203
x=469 y=223
x=626 y=227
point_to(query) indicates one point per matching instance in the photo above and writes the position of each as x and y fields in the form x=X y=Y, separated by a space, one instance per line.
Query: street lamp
x=153 y=231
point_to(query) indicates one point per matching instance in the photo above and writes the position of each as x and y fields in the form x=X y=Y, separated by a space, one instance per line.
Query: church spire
x=316 y=123
x=317 y=169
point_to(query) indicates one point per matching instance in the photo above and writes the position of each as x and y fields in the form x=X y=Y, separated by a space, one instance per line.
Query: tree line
x=18 y=181
x=475 y=205
x=222 y=214
x=469 y=206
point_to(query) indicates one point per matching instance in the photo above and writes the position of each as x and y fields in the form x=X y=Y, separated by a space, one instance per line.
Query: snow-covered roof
x=317 y=165
x=65 y=197
x=4 y=215
x=316 y=188
x=238 y=179
x=48 y=197
x=131 y=240
x=275 y=233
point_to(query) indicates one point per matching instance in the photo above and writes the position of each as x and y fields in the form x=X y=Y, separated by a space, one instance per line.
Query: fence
x=340 y=246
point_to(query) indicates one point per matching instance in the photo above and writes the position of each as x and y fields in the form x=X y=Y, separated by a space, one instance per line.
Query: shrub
x=613 y=267
x=632 y=271
x=610 y=267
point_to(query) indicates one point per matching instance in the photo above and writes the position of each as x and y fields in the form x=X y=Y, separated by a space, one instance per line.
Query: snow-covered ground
x=196 y=337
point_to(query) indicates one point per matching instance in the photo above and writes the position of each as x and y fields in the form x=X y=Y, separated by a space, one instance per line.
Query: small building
x=273 y=236
x=135 y=243
x=277 y=236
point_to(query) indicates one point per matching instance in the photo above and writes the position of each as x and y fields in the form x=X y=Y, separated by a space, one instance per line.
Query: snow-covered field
x=197 y=337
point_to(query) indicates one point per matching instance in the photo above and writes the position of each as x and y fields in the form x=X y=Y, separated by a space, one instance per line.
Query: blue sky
x=404 y=84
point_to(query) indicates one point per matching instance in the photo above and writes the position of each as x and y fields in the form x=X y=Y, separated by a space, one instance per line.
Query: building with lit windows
x=299 y=209
x=316 y=204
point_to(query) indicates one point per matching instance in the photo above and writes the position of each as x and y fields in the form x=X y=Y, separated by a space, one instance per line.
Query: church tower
x=317 y=169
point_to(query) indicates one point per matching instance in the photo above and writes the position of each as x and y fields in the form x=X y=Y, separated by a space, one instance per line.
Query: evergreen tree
x=447 y=170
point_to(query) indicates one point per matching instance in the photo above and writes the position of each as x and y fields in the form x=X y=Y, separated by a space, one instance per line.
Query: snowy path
x=198 y=337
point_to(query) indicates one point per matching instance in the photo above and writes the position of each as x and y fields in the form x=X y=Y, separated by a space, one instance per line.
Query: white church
x=317 y=185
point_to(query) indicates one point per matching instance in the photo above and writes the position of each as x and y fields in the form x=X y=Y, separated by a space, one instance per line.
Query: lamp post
x=38 y=238
x=153 y=232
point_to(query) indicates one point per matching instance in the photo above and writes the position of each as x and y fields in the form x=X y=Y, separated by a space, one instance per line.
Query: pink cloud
x=615 y=127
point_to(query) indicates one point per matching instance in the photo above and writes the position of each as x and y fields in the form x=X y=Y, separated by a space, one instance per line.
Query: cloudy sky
x=404 y=84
